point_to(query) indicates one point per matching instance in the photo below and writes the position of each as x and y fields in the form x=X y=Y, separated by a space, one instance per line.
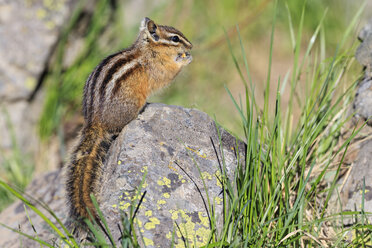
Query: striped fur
x=88 y=160
x=114 y=94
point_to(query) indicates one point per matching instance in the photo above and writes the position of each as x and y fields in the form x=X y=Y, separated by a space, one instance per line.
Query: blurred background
x=49 y=47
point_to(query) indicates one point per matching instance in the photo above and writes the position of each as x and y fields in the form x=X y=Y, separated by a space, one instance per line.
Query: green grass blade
x=41 y=242
x=67 y=240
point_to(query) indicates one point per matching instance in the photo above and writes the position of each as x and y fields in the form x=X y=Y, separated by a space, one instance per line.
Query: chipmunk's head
x=166 y=42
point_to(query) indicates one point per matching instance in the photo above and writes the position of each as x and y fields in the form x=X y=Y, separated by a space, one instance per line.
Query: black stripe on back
x=122 y=78
x=85 y=96
x=110 y=73
x=97 y=72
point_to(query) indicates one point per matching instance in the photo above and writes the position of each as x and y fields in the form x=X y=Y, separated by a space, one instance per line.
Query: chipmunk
x=114 y=94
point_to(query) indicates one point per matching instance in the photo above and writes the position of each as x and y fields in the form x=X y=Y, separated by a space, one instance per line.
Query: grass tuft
x=276 y=199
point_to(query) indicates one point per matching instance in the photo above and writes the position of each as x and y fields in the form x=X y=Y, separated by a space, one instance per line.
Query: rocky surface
x=359 y=156
x=48 y=189
x=352 y=190
x=29 y=31
x=363 y=101
x=366 y=30
x=364 y=51
x=171 y=147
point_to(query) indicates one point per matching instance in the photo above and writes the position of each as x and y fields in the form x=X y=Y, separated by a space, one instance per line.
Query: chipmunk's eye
x=155 y=36
x=175 y=38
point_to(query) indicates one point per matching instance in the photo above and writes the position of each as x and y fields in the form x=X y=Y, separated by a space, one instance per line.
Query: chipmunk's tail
x=85 y=169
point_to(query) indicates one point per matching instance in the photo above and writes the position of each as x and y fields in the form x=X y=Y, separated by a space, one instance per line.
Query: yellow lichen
x=30 y=83
x=48 y=3
x=203 y=219
x=206 y=175
x=218 y=178
x=62 y=244
x=361 y=191
x=180 y=245
x=165 y=181
x=148 y=242
x=144 y=185
x=152 y=223
x=166 y=195
x=174 y=214
x=41 y=13
x=169 y=235
x=203 y=236
x=218 y=200
x=138 y=222
x=196 y=235
x=148 y=213
x=119 y=162
x=50 y=25
x=137 y=197
x=188 y=226
x=124 y=206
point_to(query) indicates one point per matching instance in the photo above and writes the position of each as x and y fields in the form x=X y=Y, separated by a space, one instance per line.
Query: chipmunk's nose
x=184 y=57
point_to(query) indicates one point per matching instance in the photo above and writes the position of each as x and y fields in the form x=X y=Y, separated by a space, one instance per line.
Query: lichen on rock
x=171 y=149
x=173 y=154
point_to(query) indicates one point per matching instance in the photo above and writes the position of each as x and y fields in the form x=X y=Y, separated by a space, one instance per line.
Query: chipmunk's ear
x=149 y=25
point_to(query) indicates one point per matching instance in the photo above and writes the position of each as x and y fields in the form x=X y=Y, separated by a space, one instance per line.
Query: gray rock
x=19 y=119
x=366 y=30
x=363 y=101
x=350 y=185
x=364 y=52
x=363 y=98
x=48 y=189
x=28 y=31
x=161 y=141
x=351 y=194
